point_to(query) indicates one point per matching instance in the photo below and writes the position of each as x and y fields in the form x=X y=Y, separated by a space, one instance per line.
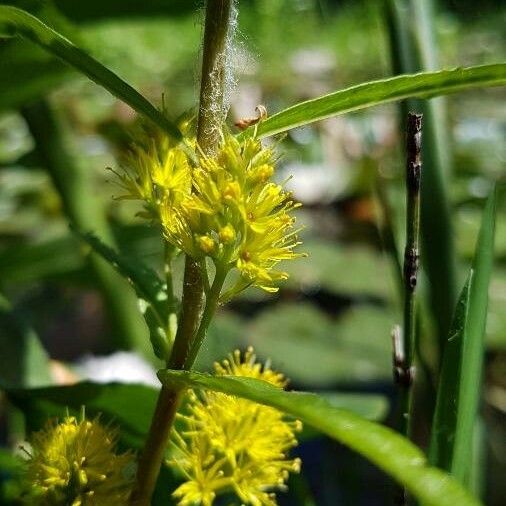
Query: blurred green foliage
x=338 y=307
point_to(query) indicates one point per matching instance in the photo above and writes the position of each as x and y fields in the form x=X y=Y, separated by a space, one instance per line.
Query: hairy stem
x=217 y=39
x=211 y=117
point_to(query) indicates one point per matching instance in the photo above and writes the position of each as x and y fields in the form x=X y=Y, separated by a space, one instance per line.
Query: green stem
x=404 y=341
x=169 y=399
x=211 y=304
x=211 y=116
x=171 y=323
x=405 y=356
x=81 y=207
x=190 y=314
x=153 y=453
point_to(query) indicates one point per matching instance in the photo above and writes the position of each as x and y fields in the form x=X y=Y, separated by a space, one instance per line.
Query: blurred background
x=328 y=328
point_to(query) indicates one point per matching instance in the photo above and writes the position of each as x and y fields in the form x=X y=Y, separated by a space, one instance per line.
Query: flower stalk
x=211 y=116
x=212 y=300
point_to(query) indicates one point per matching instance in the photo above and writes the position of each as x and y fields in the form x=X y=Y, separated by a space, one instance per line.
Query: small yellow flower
x=227 y=234
x=232 y=445
x=206 y=243
x=74 y=463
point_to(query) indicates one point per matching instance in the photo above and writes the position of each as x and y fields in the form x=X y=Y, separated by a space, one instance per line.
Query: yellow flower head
x=224 y=207
x=74 y=463
x=157 y=173
x=232 y=445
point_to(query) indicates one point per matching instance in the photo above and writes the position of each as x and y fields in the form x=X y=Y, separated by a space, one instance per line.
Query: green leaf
x=473 y=348
x=445 y=415
x=129 y=407
x=369 y=406
x=460 y=385
x=16 y=22
x=23 y=361
x=8 y=461
x=388 y=450
x=422 y=85
x=152 y=292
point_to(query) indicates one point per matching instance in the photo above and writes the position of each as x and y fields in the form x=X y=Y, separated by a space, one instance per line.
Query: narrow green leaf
x=445 y=415
x=478 y=468
x=16 y=22
x=150 y=289
x=388 y=450
x=145 y=280
x=422 y=85
x=474 y=344
x=455 y=417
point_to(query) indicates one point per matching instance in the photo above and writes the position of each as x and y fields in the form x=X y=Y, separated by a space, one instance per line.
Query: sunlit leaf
x=355 y=98
x=388 y=450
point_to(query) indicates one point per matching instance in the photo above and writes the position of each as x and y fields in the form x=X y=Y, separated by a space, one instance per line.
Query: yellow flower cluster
x=224 y=207
x=74 y=464
x=232 y=445
x=156 y=172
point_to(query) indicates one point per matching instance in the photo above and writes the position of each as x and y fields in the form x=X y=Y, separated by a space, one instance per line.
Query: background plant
x=306 y=113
